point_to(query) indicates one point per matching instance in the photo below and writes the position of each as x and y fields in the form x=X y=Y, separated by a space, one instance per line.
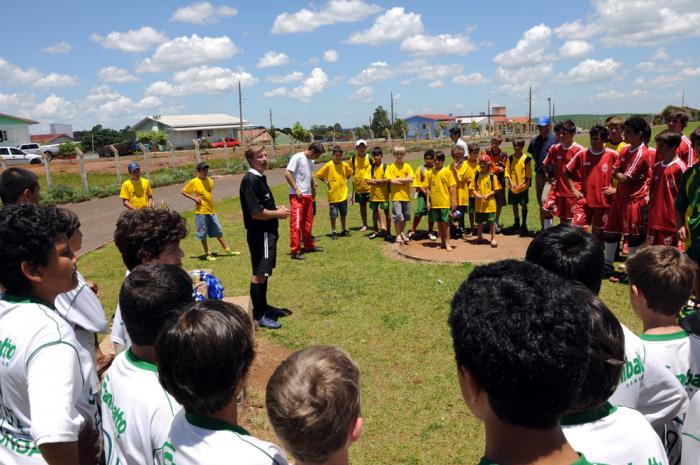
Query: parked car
x=50 y=150
x=32 y=148
x=13 y=156
x=230 y=142
x=127 y=147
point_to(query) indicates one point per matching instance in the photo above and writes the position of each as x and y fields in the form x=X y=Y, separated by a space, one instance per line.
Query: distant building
x=423 y=125
x=14 y=130
x=181 y=129
x=473 y=125
x=49 y=139
x=60 y=128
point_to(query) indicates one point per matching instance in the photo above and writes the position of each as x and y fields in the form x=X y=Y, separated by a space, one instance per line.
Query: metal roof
x=204 y=121
x=24 y=120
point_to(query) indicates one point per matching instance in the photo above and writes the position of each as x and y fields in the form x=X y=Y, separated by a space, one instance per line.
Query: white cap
x=359 y=142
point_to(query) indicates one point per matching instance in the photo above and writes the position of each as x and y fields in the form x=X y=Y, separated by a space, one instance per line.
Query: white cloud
x=363 y=94
x=202 y=13
x=331 y=56
x=576 y=30
x=392 y=26
x=115 y=74
x=271 y=59
x=529 y=50
x=517 y=81
x=611 y=94
x=335 y=11
x=208 y=80
x=691 y=72
x=575 y=49
x=660 y=55
x=132 y=41
x=472 y=79
x=639 y=93
x=427 y=71
x=277 y=92
x=185 y=52
x=314 y=84
x=665 y=81
x=53 y=107
x=285 y=78
x=406 y=82
x=12 y=75
x=442 y=44
x=593 y=70
x=377 y=71
x=647 y=66
x=10 y=100
x=436 y=84
x=107 y=103
x=58 y=47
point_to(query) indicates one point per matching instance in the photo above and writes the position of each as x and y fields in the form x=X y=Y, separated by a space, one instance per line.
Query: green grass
x=390 y=315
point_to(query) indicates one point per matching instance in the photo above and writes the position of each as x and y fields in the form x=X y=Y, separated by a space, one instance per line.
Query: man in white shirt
x=302 y=192
x=456 y=136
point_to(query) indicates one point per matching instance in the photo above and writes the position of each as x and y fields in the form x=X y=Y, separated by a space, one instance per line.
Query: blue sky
x=87 y=62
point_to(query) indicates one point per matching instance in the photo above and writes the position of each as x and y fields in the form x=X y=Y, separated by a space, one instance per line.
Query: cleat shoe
x=314 y=249
x=210 y=258
x=230 y=252
x=268 y=323
x=297 y=256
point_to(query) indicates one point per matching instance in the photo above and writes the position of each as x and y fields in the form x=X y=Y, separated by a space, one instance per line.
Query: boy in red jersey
x=593 y=167
x=631 y=171
x=676 y=122
x=561 y=200
x=665 y=182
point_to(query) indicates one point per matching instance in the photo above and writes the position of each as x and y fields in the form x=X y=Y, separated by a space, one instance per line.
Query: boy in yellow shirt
x=460 y=171
x=136 y=193
x=360 y=164
x=378 y=193
x=484 y=187
x=206 y=222
x=335 y=175
x=442 y=199
x=401 y=176
x=519 y=175
x=421 y=183
x=472 y=167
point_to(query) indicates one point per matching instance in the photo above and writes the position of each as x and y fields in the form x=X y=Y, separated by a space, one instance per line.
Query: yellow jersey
x=616 y=147
x=440 y=184
x=360 y=165
x=337 y=177
x=136 y=192
x=517 y=171
x=400 y=192
x=377 y=192
x=422 y=177
x=462 y=178
x=484 y=184
x=201 y=188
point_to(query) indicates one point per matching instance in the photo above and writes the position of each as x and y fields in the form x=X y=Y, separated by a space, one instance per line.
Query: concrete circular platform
x=464 y=251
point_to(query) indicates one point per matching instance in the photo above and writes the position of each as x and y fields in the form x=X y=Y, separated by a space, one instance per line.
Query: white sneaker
x=432 y=237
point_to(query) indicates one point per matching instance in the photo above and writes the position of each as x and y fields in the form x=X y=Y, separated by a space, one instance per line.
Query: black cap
x=202 y=166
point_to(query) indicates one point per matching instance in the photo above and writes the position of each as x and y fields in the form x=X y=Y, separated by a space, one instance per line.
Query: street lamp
x=549 y=101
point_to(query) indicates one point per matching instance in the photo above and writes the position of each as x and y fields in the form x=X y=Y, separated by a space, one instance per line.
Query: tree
x=299 y=133
x=380 y=121
x=398 y=128
x=100 y=136
x=155 y=138
x=441 y=126
x=337 y=128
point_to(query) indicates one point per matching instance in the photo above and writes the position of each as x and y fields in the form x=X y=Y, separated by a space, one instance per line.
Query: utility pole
x=683 y=99
x=92 y=139
x=529 y=109
x=488 y=111
x=549 y=101
x=554 y=109
x=240 y=114
x=392 y=109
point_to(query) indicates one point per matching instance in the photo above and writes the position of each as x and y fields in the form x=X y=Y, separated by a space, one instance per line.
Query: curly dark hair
x=205 y=355
x=67 y=221
x=27 y=234
x=14 y=181
x=522 y=333
x=143 y=234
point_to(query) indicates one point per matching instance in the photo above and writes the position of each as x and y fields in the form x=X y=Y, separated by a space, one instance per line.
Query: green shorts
x=441 y=215
x=361 y=197
x=487 y=218
x=421 y=207
x=520 y=198
x=375 y=205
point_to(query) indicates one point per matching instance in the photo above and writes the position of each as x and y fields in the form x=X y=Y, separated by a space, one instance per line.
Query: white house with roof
x=181 y=129
x=14 y=130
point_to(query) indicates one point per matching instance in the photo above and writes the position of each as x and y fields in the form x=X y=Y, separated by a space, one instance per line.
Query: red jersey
x=636 y=166
x=665 y=182
x=595 y=173
x=498 y=164
x=558 y=157
x=685 y=152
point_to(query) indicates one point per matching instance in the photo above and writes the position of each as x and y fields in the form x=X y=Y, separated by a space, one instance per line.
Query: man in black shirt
x=261 y=218
x=538 y=149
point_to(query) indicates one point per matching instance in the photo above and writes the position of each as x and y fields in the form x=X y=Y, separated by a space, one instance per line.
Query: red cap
x=484 y=158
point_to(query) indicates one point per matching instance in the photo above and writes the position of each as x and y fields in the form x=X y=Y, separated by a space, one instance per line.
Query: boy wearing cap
x=361 y=165
x=136 y=192
x=199 y=190
x=483 y=188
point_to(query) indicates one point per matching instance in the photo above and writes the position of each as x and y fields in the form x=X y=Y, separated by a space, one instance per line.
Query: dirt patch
x=464 y=251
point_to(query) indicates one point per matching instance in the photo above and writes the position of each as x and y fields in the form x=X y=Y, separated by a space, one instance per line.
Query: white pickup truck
x=50 y=150
x=30 y=148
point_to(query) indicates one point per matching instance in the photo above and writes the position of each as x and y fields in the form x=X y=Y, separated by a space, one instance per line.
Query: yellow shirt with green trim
x=462 y=177
x=400 y=192
x=377 y=192
x=440 y=184
x=518 y=171
x=360 y=166
x=136 y=192
x=688 y=202
x=422 y=177
x=202 y=188
x=616 y=147
x=337 y=176
x=483 y=185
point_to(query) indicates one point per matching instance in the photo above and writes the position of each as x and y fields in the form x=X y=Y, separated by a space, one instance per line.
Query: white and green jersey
x=647 y=386
x=136 y=412
x=119 y=334
x=196 y=440
x=43 y=393
x=691 y=434
x=582 y=460
x=614 y=436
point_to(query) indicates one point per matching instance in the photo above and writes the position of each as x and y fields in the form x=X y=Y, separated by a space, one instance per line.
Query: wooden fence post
x=354 y=139
x=83 y=173
x=174 y=158
x=3 y=165
x=388 y=135
x=405 y=136
x=47 y=169
x=145 y=160
x=116 y=162
x=197 y=155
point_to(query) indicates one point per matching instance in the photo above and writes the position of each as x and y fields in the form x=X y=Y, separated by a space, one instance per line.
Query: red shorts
x=561 y=207
x=659 y=237
x=625 y=217
x=585 y=216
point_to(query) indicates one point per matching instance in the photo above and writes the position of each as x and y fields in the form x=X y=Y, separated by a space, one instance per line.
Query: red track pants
x=301 y=220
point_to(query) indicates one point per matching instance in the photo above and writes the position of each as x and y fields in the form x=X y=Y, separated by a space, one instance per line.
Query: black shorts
x=263 y=252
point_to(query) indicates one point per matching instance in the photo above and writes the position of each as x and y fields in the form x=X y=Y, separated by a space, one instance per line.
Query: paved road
x=98 y=216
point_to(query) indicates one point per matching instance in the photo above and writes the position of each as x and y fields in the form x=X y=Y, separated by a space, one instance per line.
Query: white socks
x=610 y=249
x=548 y=223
